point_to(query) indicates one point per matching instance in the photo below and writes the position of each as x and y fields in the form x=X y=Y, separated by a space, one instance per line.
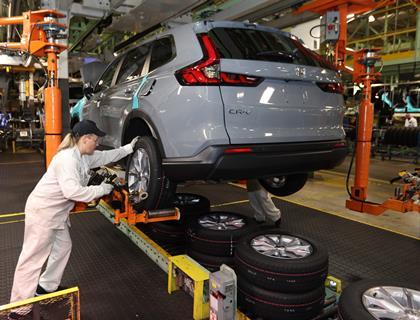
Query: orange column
x=364 y=137
x=53 y=125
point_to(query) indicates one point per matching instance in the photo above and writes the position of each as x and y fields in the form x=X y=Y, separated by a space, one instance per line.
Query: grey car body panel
x=189 y=120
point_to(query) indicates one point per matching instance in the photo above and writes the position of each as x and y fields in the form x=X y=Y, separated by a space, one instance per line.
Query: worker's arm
x=101 y=158
x=68 y=178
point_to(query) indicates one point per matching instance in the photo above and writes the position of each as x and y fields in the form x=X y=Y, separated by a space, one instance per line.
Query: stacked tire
x=409 y=137
x=189 y=205
x=280 y=275
x=212 y=237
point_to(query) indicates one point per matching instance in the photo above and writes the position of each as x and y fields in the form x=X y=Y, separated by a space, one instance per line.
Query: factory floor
x=129 y=284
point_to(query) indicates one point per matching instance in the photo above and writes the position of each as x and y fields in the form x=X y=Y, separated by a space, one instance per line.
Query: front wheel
x=145 y=174
x=283 y=186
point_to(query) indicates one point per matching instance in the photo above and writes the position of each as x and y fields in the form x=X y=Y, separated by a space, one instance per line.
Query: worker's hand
x=134 y=141
x=107 y=187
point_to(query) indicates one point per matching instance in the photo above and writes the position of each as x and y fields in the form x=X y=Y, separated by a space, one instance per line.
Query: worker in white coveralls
x=260 y=200
x=48 y=206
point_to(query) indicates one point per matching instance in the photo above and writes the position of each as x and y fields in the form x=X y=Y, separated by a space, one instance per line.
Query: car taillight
x=331 y=87
x=238 y=150
x=207 y=70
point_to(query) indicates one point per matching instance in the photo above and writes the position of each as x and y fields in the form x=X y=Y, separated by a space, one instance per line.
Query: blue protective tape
x=135 y=102
x=77 y=108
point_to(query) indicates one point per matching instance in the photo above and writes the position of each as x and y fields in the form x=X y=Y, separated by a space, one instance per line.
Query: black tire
x=159 y=188
x=211 y=263
x=274 y=305
x=283 y=186
x=278 y=274
x=189 y=204
x=351 y=307
x=216 y=242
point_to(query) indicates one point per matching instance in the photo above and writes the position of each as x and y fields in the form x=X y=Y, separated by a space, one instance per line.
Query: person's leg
x=272 y=213
x=37 y=245
x=261 y=202
x=253 y=188
x=57 y=261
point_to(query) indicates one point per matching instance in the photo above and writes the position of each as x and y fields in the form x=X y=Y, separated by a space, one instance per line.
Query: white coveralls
x=47 y=217
x=260 y=200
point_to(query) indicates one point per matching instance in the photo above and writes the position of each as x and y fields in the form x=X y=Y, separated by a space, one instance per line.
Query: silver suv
x=220 y=100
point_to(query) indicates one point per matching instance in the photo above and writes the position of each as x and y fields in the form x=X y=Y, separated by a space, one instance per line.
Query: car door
x=120 y=96
x=91 y=110
x=291 y=102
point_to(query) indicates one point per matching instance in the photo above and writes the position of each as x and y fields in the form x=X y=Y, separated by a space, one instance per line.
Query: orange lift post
x=363 y=72
x=40 y=32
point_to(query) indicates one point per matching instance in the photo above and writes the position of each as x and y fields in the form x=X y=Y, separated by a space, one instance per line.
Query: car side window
x=106 y=79
x=133 y=63
x=163 y=51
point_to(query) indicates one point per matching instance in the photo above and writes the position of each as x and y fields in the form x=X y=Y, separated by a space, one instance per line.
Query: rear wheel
x=284 y=185
x=145 y=174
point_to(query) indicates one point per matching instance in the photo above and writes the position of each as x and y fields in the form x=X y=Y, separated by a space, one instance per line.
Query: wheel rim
x=276 y=182
x=221 y=222
x=186 y=199
x=395 y=303
x=138 y=174
x=281 y=246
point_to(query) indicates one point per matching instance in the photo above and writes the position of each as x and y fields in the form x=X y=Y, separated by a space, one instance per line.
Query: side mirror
x=88 y=90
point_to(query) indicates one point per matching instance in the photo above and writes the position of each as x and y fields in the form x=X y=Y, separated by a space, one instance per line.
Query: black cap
x=86 y=127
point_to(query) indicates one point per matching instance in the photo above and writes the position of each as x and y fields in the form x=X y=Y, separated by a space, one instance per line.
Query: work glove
x=107 y=187
x=134 y=141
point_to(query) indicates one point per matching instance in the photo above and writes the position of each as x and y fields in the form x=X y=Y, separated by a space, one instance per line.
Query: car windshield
x=250 y=44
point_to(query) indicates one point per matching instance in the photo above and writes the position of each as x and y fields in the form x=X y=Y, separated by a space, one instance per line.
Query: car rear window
x=249 y=44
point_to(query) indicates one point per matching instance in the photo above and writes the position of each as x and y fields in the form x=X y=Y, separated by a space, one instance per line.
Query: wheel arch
x=138 y=123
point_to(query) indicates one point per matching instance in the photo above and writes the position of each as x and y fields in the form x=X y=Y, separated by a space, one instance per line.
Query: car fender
x=140 y=114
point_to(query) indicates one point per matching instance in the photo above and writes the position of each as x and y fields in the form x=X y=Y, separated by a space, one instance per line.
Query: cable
x=317 y=26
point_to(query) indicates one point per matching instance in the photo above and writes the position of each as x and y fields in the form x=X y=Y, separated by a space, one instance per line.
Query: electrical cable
x=317 y=26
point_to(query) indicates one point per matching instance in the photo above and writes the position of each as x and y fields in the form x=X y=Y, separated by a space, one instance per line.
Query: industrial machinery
x=363 y=72
x=119 y=201
x=41 y=30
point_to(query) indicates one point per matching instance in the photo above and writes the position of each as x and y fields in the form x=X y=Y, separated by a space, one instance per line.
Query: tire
x=211 y=263
x=283 y=186
x=276 y=272
x=352 y=307
x=160 y=189
x=205 y=237
x=189 y=204
x=271 y=305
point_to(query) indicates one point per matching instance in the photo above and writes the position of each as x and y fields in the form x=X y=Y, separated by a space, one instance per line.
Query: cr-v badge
x=239 y=111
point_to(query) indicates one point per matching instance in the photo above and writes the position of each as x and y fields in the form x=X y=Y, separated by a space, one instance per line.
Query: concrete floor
x=327 y=192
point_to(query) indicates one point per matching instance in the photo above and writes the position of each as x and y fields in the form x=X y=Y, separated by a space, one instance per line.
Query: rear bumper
x=214 y=163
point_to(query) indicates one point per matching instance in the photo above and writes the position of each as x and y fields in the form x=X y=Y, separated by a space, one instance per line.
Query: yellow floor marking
x=228 y=203
x=8 y=215
x=335 y=214
x=13 y=221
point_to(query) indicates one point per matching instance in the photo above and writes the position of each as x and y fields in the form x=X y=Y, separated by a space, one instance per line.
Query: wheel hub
x=138 y=174
x=394 y=303
x=221 y=222
x=281 y=246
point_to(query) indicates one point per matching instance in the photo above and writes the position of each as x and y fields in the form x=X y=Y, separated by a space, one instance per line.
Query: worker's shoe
x=41 y=291
x=20 y=313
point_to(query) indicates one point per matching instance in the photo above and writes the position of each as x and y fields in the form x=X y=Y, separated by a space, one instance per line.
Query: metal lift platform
x=118 y=281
